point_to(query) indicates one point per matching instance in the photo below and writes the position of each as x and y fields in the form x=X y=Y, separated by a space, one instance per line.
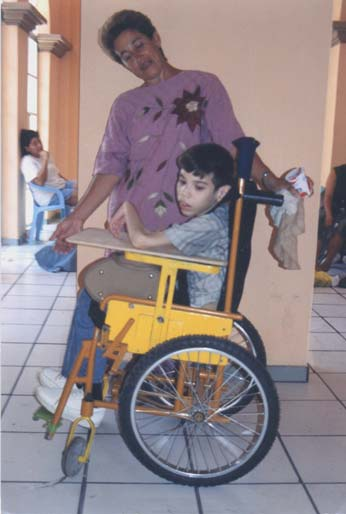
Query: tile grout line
x=164 y=484
x=329 y=324
x=198 y=500
x=22 y=367
x=338 y=292
x=328 y=387
x=300 y=480
x=83 y=489
x=112 y=434
x=32 y=347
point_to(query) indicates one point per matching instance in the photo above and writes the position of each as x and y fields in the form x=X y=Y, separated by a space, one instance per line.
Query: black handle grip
x=246 y=147
x=265 y=198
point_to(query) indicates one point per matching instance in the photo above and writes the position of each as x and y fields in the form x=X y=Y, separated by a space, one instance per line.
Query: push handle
x=264 y=198
x=246 y=147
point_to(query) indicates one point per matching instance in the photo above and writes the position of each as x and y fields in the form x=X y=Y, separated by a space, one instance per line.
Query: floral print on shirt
x=189 y=108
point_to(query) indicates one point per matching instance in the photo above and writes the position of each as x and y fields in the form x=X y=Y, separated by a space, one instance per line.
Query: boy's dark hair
x=208 y=159
x=120 y=21
x=25 y=138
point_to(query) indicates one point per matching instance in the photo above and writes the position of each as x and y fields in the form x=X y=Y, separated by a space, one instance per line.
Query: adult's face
x=142 y=55
x=34 y=147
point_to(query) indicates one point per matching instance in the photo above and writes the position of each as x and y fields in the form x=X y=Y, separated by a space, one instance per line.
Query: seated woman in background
x=332 y=221
x=38 y=168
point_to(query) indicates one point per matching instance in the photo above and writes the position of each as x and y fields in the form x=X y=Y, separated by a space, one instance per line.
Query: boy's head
x=205 y=178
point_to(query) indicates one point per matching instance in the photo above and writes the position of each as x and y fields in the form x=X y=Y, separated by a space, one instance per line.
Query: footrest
x=46 y=416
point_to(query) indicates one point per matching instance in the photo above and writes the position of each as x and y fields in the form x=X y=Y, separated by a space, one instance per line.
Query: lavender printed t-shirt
x=148 y=127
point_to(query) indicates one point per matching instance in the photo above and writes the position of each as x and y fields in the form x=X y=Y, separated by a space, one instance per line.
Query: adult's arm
x=328 y=197
x=97 y=191
x=267 y=180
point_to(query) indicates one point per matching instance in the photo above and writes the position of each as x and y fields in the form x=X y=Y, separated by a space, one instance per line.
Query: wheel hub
x=198 y=417
x=198 y=413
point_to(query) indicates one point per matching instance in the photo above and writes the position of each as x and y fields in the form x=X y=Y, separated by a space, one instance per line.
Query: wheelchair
x=193 y=406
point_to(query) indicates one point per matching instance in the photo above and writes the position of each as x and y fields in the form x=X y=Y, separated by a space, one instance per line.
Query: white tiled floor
x=304 y=473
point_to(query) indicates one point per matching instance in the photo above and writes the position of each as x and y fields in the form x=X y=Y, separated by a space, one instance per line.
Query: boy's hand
x=117 y=221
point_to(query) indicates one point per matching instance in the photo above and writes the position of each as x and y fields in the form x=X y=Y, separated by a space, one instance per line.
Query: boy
x=203 y=185
x=204 y=181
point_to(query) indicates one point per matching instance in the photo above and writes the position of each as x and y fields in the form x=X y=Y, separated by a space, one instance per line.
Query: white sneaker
x=49 y=398
x=51 y=377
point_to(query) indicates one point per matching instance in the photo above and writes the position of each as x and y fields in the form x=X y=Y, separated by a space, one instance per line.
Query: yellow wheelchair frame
x=216 y=386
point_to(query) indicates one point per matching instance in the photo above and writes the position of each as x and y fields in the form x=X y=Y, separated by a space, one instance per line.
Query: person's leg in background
x=334 y=246
x=70 y=192
x=336 y=242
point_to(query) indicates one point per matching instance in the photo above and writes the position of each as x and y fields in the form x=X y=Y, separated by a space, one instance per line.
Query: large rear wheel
x=178 y=419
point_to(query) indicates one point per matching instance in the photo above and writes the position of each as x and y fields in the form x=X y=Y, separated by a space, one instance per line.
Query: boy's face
x=197 y=195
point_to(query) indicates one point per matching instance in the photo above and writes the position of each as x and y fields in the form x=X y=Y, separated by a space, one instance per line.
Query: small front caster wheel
x=70 y=463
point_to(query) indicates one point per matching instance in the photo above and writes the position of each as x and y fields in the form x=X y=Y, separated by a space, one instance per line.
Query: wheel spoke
x=172 y=386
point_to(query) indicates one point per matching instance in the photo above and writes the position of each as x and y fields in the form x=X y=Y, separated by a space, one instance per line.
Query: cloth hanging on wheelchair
x=289 y=221
x=52 y=261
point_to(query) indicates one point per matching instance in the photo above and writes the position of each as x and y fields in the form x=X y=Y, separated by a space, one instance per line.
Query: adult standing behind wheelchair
x=147 y=128
x=38 y=168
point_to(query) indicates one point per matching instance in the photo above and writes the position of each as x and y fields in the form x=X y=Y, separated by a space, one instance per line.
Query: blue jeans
x=82 y=328
x=67 y=191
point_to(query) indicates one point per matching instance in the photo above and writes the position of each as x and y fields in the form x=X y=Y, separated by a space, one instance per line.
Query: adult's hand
x=267 y=180
x=274 y=183
x=66 y=228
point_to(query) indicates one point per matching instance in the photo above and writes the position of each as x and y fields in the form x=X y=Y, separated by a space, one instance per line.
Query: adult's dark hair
x=24 y=139
x=208 y=159
x=120 y=21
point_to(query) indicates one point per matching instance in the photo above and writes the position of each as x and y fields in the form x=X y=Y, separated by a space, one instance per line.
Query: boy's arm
x=138 y=235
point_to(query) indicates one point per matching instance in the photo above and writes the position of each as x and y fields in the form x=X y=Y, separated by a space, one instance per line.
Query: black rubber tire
x=69 y=461
x=251 y=338
x=267 y=399
x=245 y=335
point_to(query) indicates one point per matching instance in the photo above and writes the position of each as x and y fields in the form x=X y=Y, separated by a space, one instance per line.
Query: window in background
x=32 y=83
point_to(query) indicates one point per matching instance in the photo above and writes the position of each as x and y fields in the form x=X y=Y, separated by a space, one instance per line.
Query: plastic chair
x=38 y=211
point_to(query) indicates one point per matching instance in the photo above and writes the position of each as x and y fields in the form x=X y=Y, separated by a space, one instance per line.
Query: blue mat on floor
x=54 y=262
